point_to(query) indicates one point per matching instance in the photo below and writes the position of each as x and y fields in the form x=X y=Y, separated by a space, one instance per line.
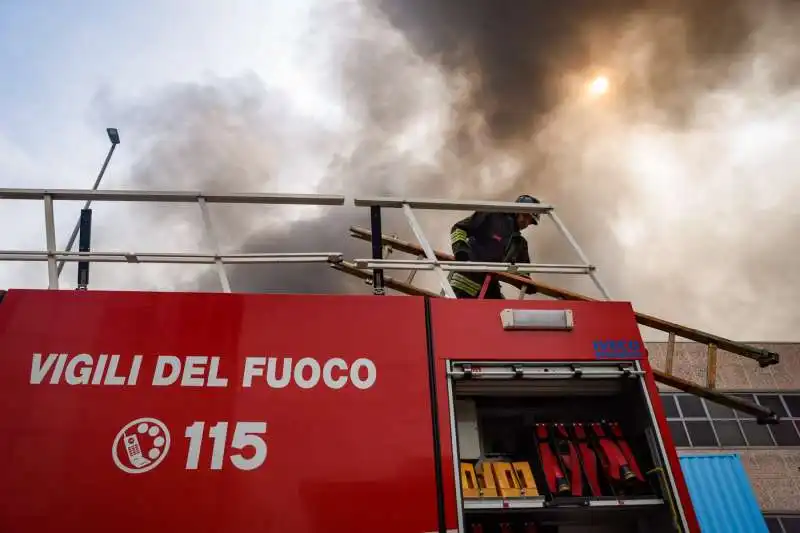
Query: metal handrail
x=53 y=256
x=431 y=262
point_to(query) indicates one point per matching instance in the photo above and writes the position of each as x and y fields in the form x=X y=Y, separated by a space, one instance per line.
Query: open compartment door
x=558 y=447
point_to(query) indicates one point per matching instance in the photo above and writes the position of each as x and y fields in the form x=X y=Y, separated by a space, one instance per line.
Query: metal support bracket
x=420 y=235
x=377 y=251
x=84 y=245
x=50 y=236
x=213 y=243
x=585 y=260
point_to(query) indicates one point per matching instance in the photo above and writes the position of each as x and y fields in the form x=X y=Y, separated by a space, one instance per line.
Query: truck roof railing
x=56 y=258
x=430 y=261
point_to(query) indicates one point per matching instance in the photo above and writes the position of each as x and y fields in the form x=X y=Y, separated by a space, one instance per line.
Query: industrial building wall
x=771 y=456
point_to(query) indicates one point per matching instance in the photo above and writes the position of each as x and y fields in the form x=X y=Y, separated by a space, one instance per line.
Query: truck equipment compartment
x=557 y=448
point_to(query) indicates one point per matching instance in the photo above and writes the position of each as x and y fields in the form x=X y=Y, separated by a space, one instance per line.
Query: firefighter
x=490 y=237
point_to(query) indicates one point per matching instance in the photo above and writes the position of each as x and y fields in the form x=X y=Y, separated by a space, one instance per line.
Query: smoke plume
x=679 y=182
x=382 y=136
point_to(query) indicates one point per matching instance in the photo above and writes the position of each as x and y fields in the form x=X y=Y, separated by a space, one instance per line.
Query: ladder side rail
x=53 y=256
x=762 y=413
x=762 y=356
x=426 y=246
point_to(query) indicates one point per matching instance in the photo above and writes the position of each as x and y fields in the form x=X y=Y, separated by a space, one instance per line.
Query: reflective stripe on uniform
x=461 y=282
x=458 y=235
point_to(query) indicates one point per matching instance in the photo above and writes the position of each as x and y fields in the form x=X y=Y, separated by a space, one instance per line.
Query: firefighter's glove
x=530 y=289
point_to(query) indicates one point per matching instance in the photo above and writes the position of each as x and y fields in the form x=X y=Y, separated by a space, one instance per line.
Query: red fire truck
x=132 y=411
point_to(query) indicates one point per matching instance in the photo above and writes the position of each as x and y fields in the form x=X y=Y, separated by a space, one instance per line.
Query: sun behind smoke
x=598 y=86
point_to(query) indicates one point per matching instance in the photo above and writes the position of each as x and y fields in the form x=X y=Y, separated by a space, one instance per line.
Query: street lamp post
x=113 y=136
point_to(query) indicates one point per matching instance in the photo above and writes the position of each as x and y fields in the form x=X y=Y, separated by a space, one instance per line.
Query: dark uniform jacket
x=486 y=237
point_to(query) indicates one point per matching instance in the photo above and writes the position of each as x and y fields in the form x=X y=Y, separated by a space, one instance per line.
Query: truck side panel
x=472 y=330
x=348 y=435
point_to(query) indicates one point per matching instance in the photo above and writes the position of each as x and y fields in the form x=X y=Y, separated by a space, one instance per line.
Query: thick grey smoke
x=679 y=182
x=523 y=50
x=387 y=138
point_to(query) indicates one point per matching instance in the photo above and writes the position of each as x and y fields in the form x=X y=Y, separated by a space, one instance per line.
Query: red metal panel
x=338 y=460
x=471 y=330
x=672 y=453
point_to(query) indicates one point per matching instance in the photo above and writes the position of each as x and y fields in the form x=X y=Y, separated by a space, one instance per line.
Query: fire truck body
x=209 y=412
x=543 y=375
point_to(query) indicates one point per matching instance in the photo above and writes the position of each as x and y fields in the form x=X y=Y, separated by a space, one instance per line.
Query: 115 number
x=245 y=435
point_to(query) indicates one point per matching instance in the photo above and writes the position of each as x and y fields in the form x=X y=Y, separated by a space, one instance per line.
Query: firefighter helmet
x=528 y=199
